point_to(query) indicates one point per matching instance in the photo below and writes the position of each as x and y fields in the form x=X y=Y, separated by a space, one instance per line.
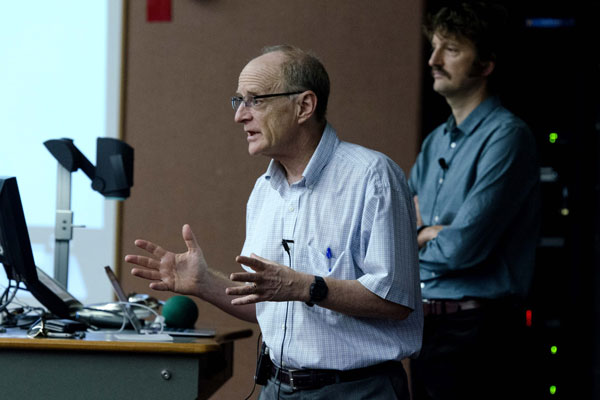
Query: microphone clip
x=286 y=247
x=443 y=163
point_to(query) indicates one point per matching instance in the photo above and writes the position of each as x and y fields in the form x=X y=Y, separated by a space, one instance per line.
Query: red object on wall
x=158 y=10
x=528 y=318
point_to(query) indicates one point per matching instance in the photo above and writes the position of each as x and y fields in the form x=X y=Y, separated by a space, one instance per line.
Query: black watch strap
x=318 y=291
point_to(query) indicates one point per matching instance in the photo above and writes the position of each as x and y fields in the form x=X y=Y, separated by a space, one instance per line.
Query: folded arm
x=505 y=178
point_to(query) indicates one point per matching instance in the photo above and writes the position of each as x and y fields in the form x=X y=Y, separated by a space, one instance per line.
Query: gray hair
x=302 y=70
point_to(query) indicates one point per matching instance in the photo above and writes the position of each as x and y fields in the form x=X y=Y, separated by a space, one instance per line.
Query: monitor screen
x=17 y=256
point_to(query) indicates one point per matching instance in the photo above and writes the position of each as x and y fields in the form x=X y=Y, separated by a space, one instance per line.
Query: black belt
x=441 y=307
x=303 y=379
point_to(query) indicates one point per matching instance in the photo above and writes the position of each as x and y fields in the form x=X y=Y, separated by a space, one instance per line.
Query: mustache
x=440 y=70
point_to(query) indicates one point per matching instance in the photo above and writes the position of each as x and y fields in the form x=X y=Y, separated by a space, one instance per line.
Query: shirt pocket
x=326 y=262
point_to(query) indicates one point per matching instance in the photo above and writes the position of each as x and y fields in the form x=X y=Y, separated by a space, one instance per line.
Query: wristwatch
x=318 y=291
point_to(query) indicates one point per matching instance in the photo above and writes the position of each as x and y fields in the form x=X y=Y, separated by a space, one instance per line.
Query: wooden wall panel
x=191 y=161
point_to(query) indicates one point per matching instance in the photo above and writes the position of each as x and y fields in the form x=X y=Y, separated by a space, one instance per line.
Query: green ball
x=180 y=312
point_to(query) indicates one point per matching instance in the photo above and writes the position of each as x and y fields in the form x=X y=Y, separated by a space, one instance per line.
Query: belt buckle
x=435 y=307
x=291 y=376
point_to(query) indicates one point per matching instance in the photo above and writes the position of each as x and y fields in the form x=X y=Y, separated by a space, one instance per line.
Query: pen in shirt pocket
x=328 y=253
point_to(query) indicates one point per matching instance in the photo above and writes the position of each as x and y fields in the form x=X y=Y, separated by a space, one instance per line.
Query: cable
x=287 y=305
x=257 y=355
x=6 y=297
x=286 y=247
x=157 y=317
x=3 y=298
x=284 y=243
x=15 y=316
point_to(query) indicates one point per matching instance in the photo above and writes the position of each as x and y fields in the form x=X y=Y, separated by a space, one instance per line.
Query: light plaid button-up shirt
x=351 y=216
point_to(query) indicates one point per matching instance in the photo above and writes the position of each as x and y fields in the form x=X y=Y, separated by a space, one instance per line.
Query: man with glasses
x=330 y=257
x=476 y=188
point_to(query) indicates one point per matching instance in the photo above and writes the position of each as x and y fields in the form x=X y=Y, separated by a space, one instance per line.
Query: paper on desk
x=136 y=337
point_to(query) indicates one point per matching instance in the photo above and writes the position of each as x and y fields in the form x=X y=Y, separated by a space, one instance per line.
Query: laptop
x=137 y=324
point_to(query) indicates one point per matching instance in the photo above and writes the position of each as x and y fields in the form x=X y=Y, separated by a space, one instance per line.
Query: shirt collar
x=473 y=120
x=321 y=156
x=329 y=141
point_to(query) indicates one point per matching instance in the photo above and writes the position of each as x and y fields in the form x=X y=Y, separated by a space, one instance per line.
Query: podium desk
x=98 y=367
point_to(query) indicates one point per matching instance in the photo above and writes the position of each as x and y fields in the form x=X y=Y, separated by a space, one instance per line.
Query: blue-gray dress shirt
x=350 y=217
x=481 y=181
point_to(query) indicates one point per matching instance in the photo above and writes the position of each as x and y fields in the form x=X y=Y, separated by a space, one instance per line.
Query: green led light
x=552 y=389
x=553 y=349
x=553 y=137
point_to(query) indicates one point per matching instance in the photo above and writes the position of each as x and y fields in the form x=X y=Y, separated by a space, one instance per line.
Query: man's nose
x=242 y=113
x=435 y=58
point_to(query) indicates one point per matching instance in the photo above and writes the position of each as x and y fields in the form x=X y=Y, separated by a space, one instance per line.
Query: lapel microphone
x=286 y=247
x=443 y=163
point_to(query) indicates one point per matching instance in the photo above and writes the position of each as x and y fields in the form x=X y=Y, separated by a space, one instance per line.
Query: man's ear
x=307 y=104
x=482 y=69
x=487 y=68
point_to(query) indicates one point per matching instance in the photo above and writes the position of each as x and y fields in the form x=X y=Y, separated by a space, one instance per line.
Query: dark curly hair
x=484 y=23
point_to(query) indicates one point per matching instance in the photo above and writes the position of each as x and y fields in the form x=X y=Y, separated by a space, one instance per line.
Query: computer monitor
x=17 y=256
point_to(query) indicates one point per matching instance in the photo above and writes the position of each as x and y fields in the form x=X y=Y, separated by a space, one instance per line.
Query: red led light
x=528 y=317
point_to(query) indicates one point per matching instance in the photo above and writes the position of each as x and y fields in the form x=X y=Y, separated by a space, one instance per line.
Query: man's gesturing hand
x=270 y=282
x=181 y=273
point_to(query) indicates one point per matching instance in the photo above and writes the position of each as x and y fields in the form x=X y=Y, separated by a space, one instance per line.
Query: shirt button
x=436 y=218
x=291 y=209
x=422 y=285
x=441 y=181
x=453 y=145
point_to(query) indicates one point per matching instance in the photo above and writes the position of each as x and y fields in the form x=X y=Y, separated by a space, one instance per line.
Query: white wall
x=60 y=78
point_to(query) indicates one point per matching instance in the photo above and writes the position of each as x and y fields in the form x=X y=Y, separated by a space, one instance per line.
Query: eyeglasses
x=252 y=101
x=44 y=329
x=37 y=329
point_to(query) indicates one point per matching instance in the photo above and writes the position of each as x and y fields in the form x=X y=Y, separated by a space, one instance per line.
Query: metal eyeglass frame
x=236 y=101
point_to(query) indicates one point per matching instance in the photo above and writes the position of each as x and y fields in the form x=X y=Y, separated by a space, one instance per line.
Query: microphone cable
x=286 y=247
x=257 y=355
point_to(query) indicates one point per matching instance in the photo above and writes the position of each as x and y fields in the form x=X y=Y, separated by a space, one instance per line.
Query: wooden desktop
x=97 y=367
